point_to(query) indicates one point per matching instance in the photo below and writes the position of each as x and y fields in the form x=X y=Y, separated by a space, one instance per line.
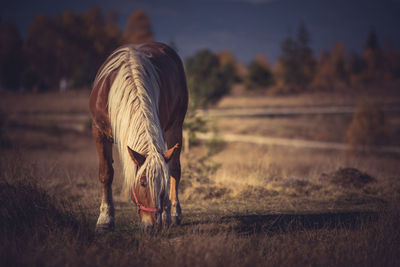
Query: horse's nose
x=147 y=225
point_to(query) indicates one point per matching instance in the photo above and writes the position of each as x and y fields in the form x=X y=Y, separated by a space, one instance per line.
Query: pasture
x=243 y=204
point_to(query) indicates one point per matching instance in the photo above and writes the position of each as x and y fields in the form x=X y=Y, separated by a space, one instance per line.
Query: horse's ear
x=170 y=152
x=136 y=157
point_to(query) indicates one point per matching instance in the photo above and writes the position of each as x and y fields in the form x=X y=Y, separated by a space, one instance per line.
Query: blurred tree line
x=64 y=51
x=297 y=70
x=211 y=75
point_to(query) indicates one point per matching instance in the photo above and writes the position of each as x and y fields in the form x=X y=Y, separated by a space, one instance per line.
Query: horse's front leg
x=176 y=213
x=175 y=137
x=105 y=221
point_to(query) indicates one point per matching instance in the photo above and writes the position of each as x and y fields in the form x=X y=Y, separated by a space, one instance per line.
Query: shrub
x=193 y=123
x=367 y=128
x=350 y=177
x=259 y=76
x=215 y=144
x=207 y=80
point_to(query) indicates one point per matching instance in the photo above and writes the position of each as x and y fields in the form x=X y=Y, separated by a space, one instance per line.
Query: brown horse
x=139 y=101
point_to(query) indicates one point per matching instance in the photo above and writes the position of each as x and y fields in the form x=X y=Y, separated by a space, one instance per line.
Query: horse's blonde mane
x=133 y=109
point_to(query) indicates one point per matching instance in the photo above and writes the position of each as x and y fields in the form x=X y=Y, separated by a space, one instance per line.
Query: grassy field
x=243 y=204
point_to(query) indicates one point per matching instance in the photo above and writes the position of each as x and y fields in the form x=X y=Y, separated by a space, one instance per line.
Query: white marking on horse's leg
x=176 y=211
x=106 y=217
x=106 y=213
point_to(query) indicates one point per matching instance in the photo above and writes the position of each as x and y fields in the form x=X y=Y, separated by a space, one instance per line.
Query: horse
x=139 y=101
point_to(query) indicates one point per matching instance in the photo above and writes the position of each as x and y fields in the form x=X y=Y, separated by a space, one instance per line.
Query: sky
x=245 y=27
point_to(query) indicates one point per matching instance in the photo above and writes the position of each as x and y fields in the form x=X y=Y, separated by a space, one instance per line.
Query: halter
x=140 y=206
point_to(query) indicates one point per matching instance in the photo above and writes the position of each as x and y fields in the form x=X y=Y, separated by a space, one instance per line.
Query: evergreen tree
x=207 y=82
x=373 y=58
x=297 y=64
x=372 y=40
x=259 y=75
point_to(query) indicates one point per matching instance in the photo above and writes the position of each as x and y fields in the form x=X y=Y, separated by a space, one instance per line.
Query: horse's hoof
x=104 y=228
x=176 y=220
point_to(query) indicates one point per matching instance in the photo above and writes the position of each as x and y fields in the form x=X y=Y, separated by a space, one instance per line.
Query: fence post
x=185 y=135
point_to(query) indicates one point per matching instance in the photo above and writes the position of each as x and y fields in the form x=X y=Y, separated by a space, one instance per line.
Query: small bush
x=215 y=144
x=368 y=127
x=208 y=81
x=258 y=77
x=350 y=177
x=193 y=123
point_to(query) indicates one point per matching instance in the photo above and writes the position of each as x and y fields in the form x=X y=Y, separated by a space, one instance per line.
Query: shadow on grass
x=280 y=223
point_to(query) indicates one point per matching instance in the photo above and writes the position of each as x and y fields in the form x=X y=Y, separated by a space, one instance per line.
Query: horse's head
x=150 y=191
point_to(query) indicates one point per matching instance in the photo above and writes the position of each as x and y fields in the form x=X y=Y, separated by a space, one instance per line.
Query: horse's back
x=173 y=89
x=173 y=99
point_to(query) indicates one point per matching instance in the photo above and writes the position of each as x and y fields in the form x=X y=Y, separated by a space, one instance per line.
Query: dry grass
x=310 y=99
x=331 y=128
x=255 y=179
x=39 y=229
x=54 y=102
x=244 y=205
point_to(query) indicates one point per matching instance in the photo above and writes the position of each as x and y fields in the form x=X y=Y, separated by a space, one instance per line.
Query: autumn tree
x=70 y=46
x=138 y=28
x=41 y=50
x=226 y=57
x=101 y=35
x=227 y=62
x=332 y=70
x=11 y=58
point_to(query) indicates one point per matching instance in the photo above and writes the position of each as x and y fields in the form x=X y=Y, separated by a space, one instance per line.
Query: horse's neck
x=132 y=102
x=152 y=142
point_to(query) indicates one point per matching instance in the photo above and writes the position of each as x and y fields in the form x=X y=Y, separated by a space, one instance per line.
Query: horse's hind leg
x=105 y=221
x=173 y=137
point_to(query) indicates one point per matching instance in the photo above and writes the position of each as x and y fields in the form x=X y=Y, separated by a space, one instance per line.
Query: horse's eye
x=143 y=184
